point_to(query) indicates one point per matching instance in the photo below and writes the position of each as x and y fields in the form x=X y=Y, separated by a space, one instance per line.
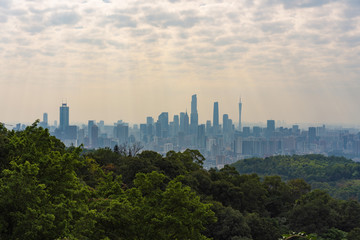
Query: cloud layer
x=293 y=60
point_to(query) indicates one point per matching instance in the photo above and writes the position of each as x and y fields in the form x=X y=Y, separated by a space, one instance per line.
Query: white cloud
x=248 y=45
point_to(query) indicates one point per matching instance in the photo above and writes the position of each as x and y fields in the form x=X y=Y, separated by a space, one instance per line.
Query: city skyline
x=215 y=111
x=296 y=61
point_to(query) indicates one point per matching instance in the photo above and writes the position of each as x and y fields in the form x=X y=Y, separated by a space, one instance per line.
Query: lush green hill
x=338 y=175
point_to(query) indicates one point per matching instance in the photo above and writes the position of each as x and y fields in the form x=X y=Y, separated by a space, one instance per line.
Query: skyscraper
x=216 y=117
x=226 y=127
x=270 y=128
x=240 y=108
x=163 y=119
x=64 y=117
x=194 y=122
x=91 y=123
x=45 y=119
x=186 y=123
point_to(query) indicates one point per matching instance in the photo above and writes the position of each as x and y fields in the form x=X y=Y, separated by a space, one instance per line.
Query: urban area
x=220 y=144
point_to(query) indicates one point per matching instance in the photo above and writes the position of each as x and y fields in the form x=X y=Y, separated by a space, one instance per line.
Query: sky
x=290 y=60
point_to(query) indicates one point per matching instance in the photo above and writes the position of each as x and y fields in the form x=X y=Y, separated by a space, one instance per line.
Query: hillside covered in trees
x=337 y=175
x=48 y=191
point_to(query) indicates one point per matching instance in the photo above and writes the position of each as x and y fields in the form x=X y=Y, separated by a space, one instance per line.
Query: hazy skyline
x=297 y=60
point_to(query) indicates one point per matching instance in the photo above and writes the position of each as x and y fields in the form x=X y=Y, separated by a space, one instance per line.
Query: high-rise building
x=121 y=132
x=91 y=123
x=201 y=136
x=216 y=118
x=240 y=108
x=44 y=122
x=163 y=119
x=226 y=127
x=208 y=127
x=312 y=134
x=45 y=119
x=186 y=123
x=94 y=136
x=64 y=117
x=176 y=124
x=270 y=128
x=149 y=121
x=194 y=122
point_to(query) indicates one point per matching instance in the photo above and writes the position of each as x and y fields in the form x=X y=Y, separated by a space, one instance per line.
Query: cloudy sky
x=291 y=60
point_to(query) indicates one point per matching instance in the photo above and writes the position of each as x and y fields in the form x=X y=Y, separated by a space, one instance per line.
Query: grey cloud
x=140 y=32
x=163 y=19
x=174 y=1
x=206 y=50
x=64 y=18
x=183 y=35
x=236 y=49
x=275 y=27
x=301 y=3
x=106 y=1
x=352 y=40
x=91 y=41
x=340 y=25
x=233 y=16
x=22 y=41
x=5 y=40
x=225 y=41
x=115 y=44
x=17 y=12
x=309 y=38
x=5 y=4
x=251 y=40
x=122 y=21
x=34 y=29
x=3 y=19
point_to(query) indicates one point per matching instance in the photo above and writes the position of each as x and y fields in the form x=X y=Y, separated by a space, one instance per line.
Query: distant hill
x=338 y=175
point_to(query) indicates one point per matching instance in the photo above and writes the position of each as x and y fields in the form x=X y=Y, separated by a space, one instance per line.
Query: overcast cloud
x=297 y=60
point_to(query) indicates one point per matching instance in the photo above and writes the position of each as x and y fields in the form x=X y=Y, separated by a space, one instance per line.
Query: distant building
x=240 y=109
x=45 y=119
x=270 y=128
x=163 y=119
x=91 y=123
x=194 y=121
x=216 y=125
x=64 y=117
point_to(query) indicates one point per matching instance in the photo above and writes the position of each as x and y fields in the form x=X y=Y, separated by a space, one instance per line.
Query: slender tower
x=194 y=115
x=240 y=108
x=216 y=115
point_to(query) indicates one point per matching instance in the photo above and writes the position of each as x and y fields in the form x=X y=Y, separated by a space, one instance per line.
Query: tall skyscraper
x=226 y=127
x=216 y=114
x=91 y=123
x=186 y=123
x=176 y=124
x=240 y=108
x=182 y=122
x=163 y=119
x=45 y=119
x=270 y=128
x=64 y=117
x=194 y=122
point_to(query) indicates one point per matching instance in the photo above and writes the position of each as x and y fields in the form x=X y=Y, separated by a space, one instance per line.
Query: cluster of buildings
x=220 y=143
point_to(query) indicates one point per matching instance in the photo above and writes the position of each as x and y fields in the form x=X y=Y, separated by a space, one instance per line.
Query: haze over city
x=296 y=61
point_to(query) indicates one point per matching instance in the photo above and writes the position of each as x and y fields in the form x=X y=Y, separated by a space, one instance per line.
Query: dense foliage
x=337 y=175
x=48 y=191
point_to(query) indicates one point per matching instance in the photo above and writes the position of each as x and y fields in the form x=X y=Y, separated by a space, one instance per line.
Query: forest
x=48 y=191
x=339 y=176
